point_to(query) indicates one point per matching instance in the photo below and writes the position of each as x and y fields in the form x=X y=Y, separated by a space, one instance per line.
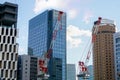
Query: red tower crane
x=44 y=60
x=83 y=70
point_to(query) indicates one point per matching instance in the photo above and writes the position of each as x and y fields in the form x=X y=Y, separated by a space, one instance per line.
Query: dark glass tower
x=40 y=36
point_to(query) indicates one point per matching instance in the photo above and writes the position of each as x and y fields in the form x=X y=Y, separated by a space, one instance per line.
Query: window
x=8 y=40
x=12 y=56
x=15 y=74
x=7 y=31
x=15 y=32
x=0 y=64
x=14 y=48
x=11 y=32
x=2 y=31
x=6 y=47
x=4 y=38
x=0 y=38
x=117 y=40
x=9 y=64
x=1 y=47
x=2 y=73
x=11 y=73
x=13 y=65
x=26 y=60
x=3 y=56
x=4 y=64
x=6 y=75
x=7 y=57
x=10 y=48
x=12 y=40
x=16 y=56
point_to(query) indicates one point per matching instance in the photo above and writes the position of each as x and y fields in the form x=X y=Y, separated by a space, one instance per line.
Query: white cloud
x=88 y=14
x=74 y=34
x=72 y=13
x=45 y=4
x=68 y=6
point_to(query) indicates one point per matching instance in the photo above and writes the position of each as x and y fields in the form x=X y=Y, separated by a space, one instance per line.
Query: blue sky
x=80 y=17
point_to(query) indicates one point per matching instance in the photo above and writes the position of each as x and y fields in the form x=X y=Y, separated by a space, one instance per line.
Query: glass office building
x=117 y=55
x=41 y=30
x=71 y=72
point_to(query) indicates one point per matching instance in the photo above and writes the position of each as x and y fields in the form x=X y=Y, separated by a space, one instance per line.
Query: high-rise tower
x=41 y=29
x=103 y=52
x=117 y=55
x=8 y=45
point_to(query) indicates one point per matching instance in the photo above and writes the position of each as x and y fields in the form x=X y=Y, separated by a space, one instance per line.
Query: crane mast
x=83 y=70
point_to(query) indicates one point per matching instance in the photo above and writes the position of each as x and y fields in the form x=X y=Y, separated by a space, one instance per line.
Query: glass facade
x=71 y=72
x=41 y=29
x=117 y=55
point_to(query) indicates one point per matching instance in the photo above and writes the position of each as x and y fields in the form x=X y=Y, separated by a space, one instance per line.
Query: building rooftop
x=8 y=14
x=101 y=21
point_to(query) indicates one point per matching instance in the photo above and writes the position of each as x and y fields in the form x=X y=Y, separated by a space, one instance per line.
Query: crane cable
x=83 y=52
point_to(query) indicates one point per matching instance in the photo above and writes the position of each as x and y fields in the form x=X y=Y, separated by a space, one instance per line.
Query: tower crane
x=83 y=70
x=45 y=58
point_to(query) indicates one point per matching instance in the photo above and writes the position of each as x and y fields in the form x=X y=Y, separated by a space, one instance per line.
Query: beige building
x=103 y=55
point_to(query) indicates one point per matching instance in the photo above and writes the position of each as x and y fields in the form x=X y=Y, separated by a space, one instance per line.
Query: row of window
x=8 y=65
x=7 y=39
x=8 y=48
x=8 y=31
x=8 y=74
x=8 y=56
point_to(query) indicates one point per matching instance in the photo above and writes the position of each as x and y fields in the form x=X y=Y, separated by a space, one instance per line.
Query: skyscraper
x=41 y=30
x=8 y=45
x=117 y=55
x=71 y=72
x=103 y=52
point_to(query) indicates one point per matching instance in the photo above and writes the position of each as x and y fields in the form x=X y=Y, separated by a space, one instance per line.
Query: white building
x=8 y=45
x=117 y=55
x=27 y=67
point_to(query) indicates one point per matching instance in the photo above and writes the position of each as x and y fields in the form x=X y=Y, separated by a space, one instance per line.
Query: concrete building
x=41 y=29
x=8 y=45
x=117 y=55
x=27 y=67
x=103 y=49
x=71 y=72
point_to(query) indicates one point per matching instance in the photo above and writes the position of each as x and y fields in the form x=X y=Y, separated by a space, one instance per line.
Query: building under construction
x=103 y=50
